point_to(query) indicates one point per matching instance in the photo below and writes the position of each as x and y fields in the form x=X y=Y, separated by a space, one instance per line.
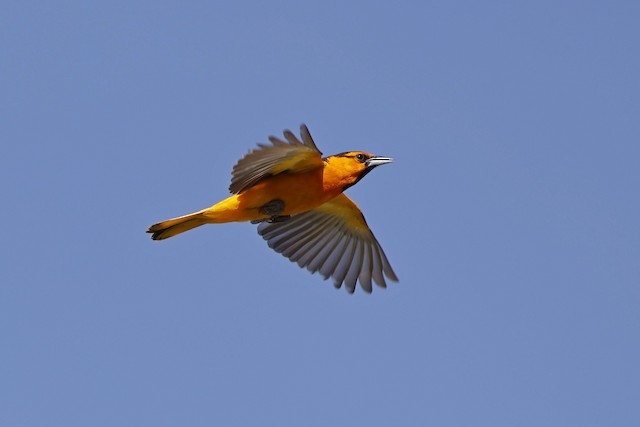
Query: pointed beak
x=377 y=161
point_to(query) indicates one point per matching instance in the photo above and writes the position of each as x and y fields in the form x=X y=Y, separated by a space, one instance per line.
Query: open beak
x=377 y=161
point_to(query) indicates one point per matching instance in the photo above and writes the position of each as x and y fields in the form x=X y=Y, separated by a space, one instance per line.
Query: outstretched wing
x=333 y=239
x=291 y=156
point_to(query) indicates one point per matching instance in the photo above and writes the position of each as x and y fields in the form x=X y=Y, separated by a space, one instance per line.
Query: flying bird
x=296 y=198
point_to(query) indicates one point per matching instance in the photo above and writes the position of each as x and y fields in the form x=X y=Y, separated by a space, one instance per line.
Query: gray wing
x=326 y=243
x=290 y=156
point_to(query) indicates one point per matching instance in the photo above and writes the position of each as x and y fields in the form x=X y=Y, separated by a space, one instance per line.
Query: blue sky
x=510 y=214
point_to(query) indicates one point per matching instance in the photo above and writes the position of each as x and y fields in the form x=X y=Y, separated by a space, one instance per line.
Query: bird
x=296 y=198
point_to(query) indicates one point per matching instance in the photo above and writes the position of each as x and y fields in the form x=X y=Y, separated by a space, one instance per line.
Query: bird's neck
x=336 y=177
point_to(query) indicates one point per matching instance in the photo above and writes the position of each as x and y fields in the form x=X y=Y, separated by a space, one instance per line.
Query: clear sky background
x=510 y=215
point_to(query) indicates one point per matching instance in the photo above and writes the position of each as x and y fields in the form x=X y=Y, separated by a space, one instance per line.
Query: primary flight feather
x=296 y=197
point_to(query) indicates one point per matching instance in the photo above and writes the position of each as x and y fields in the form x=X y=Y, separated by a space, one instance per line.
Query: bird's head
x=350 y=167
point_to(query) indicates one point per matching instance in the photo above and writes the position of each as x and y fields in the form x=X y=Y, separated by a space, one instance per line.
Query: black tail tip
x=155 y=234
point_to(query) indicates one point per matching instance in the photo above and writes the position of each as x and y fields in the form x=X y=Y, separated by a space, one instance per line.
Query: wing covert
x=290 y=156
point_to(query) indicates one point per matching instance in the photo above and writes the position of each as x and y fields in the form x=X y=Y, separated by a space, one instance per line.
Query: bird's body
x=289 y=189
x=299 y=192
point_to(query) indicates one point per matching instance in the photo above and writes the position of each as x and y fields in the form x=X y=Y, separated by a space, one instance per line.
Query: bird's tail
x=171 y=227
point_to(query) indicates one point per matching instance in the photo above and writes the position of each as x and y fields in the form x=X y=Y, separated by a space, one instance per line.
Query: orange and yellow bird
x=296 y=197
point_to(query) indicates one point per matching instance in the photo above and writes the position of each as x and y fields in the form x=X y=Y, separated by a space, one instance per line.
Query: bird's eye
x=361 y=157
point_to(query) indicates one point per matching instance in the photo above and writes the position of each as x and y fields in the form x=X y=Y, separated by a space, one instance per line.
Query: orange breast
x=299 y=192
